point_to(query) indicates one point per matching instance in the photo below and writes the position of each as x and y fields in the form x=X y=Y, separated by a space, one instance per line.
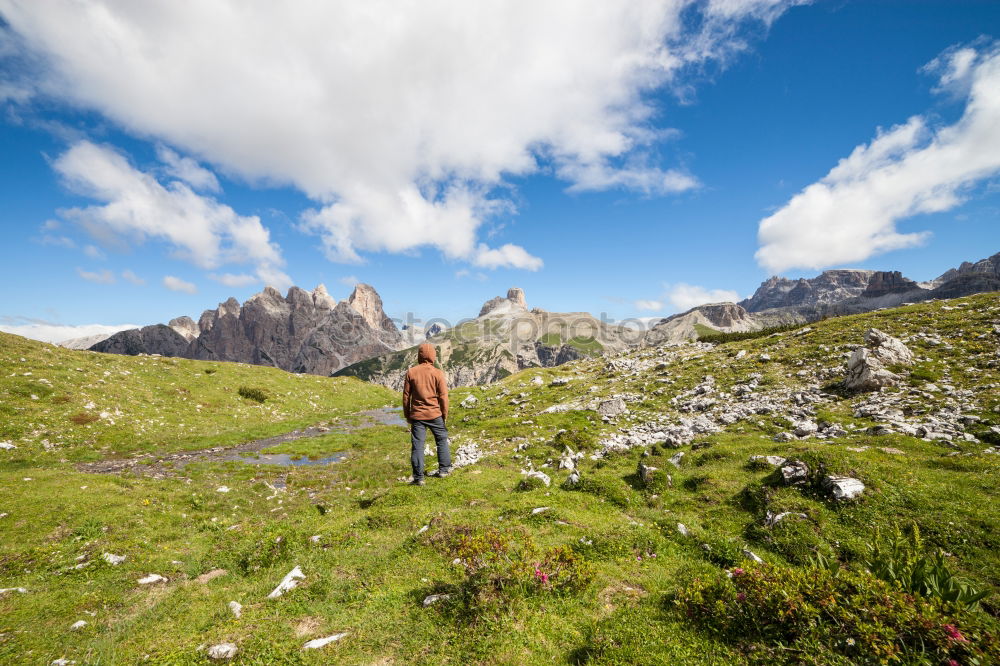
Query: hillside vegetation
x=639 y=555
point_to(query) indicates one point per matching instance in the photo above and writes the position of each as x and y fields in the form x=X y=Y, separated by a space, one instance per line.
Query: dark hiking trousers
x=418 y=433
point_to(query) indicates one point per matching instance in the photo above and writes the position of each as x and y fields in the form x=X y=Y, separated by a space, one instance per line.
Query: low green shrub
x=902 y=560
x=529 y=483
x=811 y=612
x=252 y=393
x=503 y=566
x=577 y=439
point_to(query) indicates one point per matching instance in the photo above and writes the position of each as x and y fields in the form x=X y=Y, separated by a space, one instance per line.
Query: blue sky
x=631 y=159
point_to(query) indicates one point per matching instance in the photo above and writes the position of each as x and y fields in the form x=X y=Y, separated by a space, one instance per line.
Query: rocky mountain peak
x=322 y=298
x=186 y=327
x=516 y=296
x=827 y=287
x=513 y=302
x=888 y=282
x=367 y=303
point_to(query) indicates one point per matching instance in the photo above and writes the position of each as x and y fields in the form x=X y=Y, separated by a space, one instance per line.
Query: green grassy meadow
x=611 y=571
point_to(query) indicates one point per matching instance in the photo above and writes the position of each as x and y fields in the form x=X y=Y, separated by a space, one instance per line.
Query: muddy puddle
x=158 y=466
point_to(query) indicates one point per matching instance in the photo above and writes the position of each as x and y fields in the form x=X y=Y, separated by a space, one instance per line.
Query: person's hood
x=426 y=353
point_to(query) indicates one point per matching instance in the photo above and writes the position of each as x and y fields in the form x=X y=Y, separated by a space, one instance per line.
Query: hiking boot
x=417 y=482
x=442 y=472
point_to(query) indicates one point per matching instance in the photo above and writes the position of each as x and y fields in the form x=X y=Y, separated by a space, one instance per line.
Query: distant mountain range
x=504 y=338
x=310 y=332
x=832 y=293
x=304 y=331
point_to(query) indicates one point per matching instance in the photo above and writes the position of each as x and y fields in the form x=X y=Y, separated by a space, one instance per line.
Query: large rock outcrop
x=868 y=369
x=513 y=303
x=303 y=331
x=155 y=339
x=827 y=287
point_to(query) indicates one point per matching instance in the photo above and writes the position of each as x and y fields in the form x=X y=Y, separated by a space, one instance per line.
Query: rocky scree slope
x=306 y=332
x=506 y=337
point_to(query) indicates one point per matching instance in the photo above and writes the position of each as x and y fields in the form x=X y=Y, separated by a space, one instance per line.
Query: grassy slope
x=370 y=569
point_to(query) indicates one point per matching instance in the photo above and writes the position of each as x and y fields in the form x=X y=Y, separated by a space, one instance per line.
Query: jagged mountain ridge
x=506 y=337
x=307 y=332
x=832 y=293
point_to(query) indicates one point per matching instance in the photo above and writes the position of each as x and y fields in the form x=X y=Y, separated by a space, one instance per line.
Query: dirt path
x=170 y=464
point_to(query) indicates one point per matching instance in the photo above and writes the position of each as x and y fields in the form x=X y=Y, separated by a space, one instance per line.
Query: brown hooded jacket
x=425 y=390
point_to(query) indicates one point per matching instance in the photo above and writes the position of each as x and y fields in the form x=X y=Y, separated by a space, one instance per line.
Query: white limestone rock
x=289 y=582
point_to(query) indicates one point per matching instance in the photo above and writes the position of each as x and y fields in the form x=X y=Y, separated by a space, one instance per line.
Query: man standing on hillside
x=425 y=405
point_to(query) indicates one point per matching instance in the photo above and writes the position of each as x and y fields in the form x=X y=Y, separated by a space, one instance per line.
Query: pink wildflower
x=737 y=571
x=741 y=597
x=954 y=634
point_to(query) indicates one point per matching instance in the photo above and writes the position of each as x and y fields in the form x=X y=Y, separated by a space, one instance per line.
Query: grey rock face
x=828 y=287
x=888 y=282
x=155 y=339
x=366 y=301
x=304 y=331
x=867 y=369
x=186 y=327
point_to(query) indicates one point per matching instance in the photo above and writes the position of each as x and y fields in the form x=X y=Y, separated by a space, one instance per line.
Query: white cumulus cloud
x=686 y=296
x=130 y=276
x=234 y=279
x=50 y=332
x=188 y=170
x=136 y=206
x=401 y=121
x=913 y=168
x=100 y=277
x=176 y=284
x=651 y=306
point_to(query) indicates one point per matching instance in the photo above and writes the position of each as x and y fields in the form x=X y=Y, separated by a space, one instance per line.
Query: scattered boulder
x=152 y=579
x=867 y=369
x=795 y=473
x=682 y=529
x=675 y=459
x=317 y=643
x=112 y=559
x=4 y=591
x=432 y=599
x=784 y=437
x=843 y=487
x=646 y=473
x=289 y=582
x=772 y=519
x=750 y=555
x=470 y=401
x=7 y=446
x=236 y=608
x=611 y=408
x=222 y=651
x=774 y=461
x=805 y=428
x=78 y=625
x=573 y=480
x=467 y=454
x=535 y=474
